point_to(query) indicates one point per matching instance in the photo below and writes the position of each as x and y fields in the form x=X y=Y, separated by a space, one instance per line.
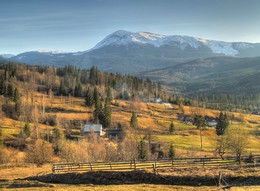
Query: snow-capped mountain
x=129 y=52
x=121 y=38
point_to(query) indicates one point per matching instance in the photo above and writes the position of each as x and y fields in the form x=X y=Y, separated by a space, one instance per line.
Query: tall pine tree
x=107 y=113
x=142 y=150
x=133 y=120
x=222 y=123
x=95 y=95
x=89 y=100
x=98 y=112
x=26 y=129
x=17 y=101
x=171 y=152
x=109 y=94
x=171 y=128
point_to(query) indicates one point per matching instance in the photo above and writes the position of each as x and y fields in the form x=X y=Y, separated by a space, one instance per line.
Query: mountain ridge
x=208 y=75
x=122 y=37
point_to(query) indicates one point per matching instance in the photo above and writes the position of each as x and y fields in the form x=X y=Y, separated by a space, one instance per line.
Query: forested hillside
x=218 y=82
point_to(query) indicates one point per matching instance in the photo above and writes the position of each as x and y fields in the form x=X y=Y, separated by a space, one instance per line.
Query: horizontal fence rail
x=138 y=165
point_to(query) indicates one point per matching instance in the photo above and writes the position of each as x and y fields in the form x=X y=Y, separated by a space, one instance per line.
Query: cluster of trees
x=222 y=123
x=228 y=102
x=11 y=93
x=101 y=114
x=73 y=81
x=200 y=122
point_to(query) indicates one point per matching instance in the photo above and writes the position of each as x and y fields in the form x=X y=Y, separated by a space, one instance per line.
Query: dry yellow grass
x=156 y=117
x=23 y=172
x=129 y=187
x=11 y=173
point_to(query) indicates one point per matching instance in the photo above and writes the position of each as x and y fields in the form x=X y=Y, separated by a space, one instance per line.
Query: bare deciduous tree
x=221 y=145
x=39 y=152
x=74 y=152
x=237 y=141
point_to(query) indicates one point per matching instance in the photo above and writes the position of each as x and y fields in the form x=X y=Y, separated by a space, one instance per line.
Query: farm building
x=212 y=123
x=114 y=133
x=96 y=128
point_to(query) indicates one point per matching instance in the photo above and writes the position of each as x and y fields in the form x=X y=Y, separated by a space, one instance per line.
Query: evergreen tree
x=16 y=95
x=78 y=90
x=109 y=94
x=89 y=100
x=133 y=121
x=107 y=113
x=2 y=87
x=171 y=152
x=93 y=76
x=199 y=121
x=17 y=101
x=63 y=90
x=95 y=95
x=222 y=123
x=126 y=95
x=171 y=128
x=142 y=150
x=10 y=90
x=26 y=129
x=56 y=136
x=98 y=112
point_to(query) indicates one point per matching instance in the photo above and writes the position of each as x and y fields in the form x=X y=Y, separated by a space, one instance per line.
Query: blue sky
x=77 y=25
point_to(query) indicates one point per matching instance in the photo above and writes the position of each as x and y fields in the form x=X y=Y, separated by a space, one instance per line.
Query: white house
x=158 y=100
x=167 y=104
x=96 y=128
x=212 y=123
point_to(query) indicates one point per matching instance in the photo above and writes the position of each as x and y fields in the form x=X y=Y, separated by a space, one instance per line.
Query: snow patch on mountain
x=51 y=52
x=122 y=37
x=222 y=48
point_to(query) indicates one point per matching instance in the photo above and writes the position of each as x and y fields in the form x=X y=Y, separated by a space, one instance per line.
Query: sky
x=78 y=25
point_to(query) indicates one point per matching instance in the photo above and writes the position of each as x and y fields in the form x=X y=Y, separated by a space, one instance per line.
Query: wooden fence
x=135 y=165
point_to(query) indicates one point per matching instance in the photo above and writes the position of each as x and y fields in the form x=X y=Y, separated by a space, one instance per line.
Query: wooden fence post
x=172 y=163
x=134 y=164
x=90 y=165
x=219 y=178
x=131 y=162
x=53 y=168
x=110 y=165
x=154 y=168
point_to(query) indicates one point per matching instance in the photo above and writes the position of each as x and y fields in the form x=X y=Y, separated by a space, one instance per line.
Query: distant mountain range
x=188 y=63
x=128 y=52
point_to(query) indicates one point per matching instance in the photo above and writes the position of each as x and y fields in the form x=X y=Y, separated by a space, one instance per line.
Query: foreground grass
x=13 y=174
x=134 y=187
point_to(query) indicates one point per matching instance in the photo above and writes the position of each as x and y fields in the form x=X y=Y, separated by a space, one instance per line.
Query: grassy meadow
x=152 y=117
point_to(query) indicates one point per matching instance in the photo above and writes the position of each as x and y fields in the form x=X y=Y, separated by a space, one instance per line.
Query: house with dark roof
x=114 y=133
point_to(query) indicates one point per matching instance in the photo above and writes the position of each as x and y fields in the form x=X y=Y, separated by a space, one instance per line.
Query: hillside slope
x=217 y=74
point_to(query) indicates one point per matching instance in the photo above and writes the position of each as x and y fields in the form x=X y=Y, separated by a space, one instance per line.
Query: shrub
x=39 y=152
